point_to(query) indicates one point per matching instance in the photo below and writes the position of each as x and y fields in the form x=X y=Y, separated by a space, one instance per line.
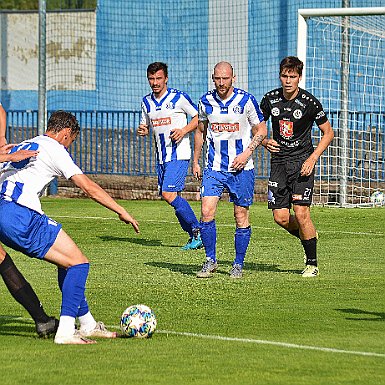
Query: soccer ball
x=378 y=198
x=138 y=321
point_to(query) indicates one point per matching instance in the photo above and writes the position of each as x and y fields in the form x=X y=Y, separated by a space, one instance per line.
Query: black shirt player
x=293 y=111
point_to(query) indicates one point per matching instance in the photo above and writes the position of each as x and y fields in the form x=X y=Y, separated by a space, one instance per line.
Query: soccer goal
x=343 y=50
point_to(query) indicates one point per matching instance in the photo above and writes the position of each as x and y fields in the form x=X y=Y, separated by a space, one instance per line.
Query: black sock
x=310 y=247
x=295 y=233
x=21 y=290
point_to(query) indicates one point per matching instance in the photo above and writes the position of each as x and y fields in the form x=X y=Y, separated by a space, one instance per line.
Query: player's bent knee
x=281 y=220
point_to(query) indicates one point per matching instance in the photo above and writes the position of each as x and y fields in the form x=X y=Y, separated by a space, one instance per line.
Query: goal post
x=343 y=50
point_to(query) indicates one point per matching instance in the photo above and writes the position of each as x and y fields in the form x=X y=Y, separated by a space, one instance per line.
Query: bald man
x=232 y=124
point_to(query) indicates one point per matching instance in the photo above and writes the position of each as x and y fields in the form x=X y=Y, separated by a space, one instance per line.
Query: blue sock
x=73 y=288
x=209 y=238
x=241 y=241
x=83 y=307
x=185 y=215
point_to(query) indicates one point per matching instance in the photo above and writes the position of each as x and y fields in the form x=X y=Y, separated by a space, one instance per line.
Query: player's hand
x=127 y=218
x=142 y=130
x=308 y=166
x=21 y=155
x=240 y=161
x=272 y=146
x=4 y=149
x=177 y=134
x=197 y=171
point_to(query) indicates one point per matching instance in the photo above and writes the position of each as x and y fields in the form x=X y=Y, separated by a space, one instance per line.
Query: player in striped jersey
x=165 y=111
x=17 y=285
x=234 y=127
x=25 y=227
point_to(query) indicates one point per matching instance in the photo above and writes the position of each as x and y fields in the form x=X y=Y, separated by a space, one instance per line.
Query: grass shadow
x=14 y=325
x=371 y=315
x=136 y=241
x=192 y=269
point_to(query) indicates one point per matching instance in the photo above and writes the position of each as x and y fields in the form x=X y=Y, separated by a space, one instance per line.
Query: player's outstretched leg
x=188 y=222
x=23 y=293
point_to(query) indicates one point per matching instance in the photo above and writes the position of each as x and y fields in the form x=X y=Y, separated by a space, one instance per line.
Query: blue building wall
x=130 y=35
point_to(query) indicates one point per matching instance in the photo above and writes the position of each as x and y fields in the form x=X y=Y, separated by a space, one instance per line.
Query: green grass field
x=272 y=327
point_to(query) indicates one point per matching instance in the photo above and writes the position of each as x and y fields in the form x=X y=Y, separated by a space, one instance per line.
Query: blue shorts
x=26 y=230
x=172 y=175
x=240 y=185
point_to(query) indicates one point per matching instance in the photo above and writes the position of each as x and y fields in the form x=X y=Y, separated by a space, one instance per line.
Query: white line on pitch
x=275 y=343
x=220 y=225
x=243 y=340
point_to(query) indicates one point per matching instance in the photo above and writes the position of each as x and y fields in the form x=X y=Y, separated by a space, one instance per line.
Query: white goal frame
x=302 y=38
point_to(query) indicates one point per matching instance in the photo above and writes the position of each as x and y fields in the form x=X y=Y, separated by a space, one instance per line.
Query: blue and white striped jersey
x=24 y=182
x=230 y=124
x=163 y=116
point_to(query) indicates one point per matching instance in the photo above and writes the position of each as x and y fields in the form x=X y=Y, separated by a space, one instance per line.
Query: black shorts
x=286 y=185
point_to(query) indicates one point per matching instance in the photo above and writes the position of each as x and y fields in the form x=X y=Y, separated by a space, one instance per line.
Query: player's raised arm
x=97 y=193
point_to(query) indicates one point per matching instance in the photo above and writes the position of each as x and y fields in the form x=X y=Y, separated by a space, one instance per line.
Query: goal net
x=344 y=56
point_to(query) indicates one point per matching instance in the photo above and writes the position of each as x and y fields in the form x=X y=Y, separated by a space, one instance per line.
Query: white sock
x=66 y=326
x=87 y=322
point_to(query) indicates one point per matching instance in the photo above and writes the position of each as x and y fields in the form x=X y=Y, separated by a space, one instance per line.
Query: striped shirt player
x=163 y=116
x=234 y=126
x=165 y=112
x=14 y=280
x=229 y=128
x=25 y=227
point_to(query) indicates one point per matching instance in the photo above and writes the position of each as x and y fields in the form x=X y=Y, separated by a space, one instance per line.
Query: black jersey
x=292 y=122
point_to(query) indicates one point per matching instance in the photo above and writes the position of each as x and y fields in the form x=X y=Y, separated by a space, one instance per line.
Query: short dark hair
x=157 y=66
x=59 y=120
x=291 y=63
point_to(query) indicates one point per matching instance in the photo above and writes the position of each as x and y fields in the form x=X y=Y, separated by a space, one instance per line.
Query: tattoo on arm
x=255 y=142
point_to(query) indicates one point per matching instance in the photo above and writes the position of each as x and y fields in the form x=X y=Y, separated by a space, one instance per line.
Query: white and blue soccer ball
x=378 y=198
x=138 y=321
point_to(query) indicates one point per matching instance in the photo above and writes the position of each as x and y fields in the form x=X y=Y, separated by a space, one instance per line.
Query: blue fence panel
x=108 y=144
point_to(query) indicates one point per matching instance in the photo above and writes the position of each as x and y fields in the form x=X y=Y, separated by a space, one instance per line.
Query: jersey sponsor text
x=225 y=127
x=161 y=122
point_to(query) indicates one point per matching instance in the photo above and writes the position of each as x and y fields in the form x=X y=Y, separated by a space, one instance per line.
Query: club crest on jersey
x=297 y=114
x=286 y=129
x=275 y=111
x=237 y=109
